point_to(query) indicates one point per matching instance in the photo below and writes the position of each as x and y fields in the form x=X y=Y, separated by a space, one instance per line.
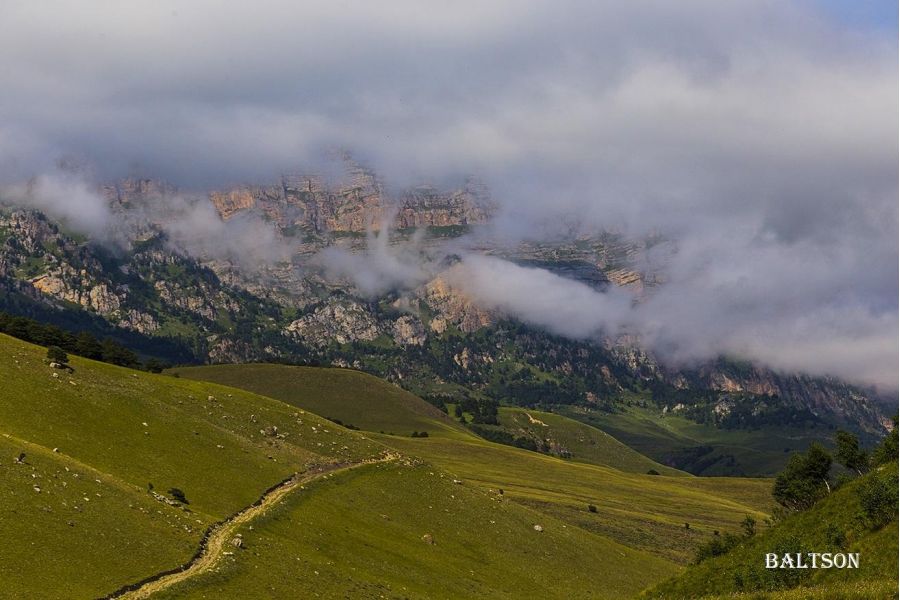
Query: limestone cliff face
x=823 y=396
x=355 y=205
x=428 y=207
x=136 y=190
x=453 y=307
x=232 y=201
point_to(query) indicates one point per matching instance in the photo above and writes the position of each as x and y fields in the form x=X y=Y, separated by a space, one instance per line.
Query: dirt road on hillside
x=219 y=538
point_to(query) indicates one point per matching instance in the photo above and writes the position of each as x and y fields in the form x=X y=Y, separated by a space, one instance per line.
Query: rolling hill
x=351 y=397
x=701 y=449
x=578 y=441
x=834 y=524
x=97 y=437
x=645 y=512
x=320 y=509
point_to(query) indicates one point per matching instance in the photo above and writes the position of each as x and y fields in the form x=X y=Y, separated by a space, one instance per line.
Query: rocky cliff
x=425 y=338
x=307 y=203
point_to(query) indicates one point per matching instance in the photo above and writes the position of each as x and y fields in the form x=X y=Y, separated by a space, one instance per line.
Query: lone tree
x=804 y=480
x=177 y=494
x=849 y=453
x=57 y=355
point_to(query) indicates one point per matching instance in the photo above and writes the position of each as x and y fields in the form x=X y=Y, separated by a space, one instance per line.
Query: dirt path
x=220 y=537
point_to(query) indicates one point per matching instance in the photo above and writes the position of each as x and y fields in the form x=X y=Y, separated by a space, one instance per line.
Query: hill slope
x=642 y=511
x=115 y=431
x=95 y=439
x=676 y=441
x=362 y=534
x=578 y=441
x=646 y=512
x=352 y=397
x=832 y=525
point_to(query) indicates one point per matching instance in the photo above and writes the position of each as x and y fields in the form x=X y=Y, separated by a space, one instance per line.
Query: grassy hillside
x=95 y=438
x=578 y=441
x=360 y=535
x=351 y=397
x=645 y=512
x=834 y=524
x=701 y=449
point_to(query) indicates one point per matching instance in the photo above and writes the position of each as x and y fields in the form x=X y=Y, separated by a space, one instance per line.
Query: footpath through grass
x=407 y=531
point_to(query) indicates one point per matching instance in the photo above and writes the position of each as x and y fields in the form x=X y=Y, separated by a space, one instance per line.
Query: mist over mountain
x=756 y=139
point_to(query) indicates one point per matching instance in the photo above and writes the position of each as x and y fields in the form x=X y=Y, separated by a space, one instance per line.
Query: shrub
x=749 y=526
x=717 y=546
x=177 y=494
x=592 y=508
x=154 y=366
x=652 y=472
x=878 y=500
x=57 y=355
x=886 y=451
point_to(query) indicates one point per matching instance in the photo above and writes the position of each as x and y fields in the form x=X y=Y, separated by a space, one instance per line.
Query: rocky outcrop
x=342 y=322
x=451 y=306
x=78 y=288
x=409 y=331
x=232 y=201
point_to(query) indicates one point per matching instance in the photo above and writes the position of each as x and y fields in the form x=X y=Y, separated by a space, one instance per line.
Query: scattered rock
x=428 y=539
x=237 y=542
x=538 y=528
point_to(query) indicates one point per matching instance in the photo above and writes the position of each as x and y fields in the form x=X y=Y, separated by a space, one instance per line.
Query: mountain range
x=341 y=271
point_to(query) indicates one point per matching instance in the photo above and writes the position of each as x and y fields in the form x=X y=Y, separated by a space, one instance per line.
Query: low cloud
x=758 y=136
x=67 y=198
x=190 y=225
x=381 y=267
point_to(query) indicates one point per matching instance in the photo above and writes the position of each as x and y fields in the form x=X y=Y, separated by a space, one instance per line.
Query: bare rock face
x=425 y=206
x=223 y=350
x=139 y=321
x=453 y=307
x=343 y=322
x=409 y=331
x=79 y=288
x=359 y=202
x=232 y=201
x=129 y=192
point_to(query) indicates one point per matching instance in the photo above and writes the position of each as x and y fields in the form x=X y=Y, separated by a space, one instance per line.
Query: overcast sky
x=761 y=135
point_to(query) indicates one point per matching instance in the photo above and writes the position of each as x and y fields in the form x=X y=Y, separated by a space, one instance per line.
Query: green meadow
x=453 y=516
x=352 y=397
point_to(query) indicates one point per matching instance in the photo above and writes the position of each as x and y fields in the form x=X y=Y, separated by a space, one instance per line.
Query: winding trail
x=217 y=541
